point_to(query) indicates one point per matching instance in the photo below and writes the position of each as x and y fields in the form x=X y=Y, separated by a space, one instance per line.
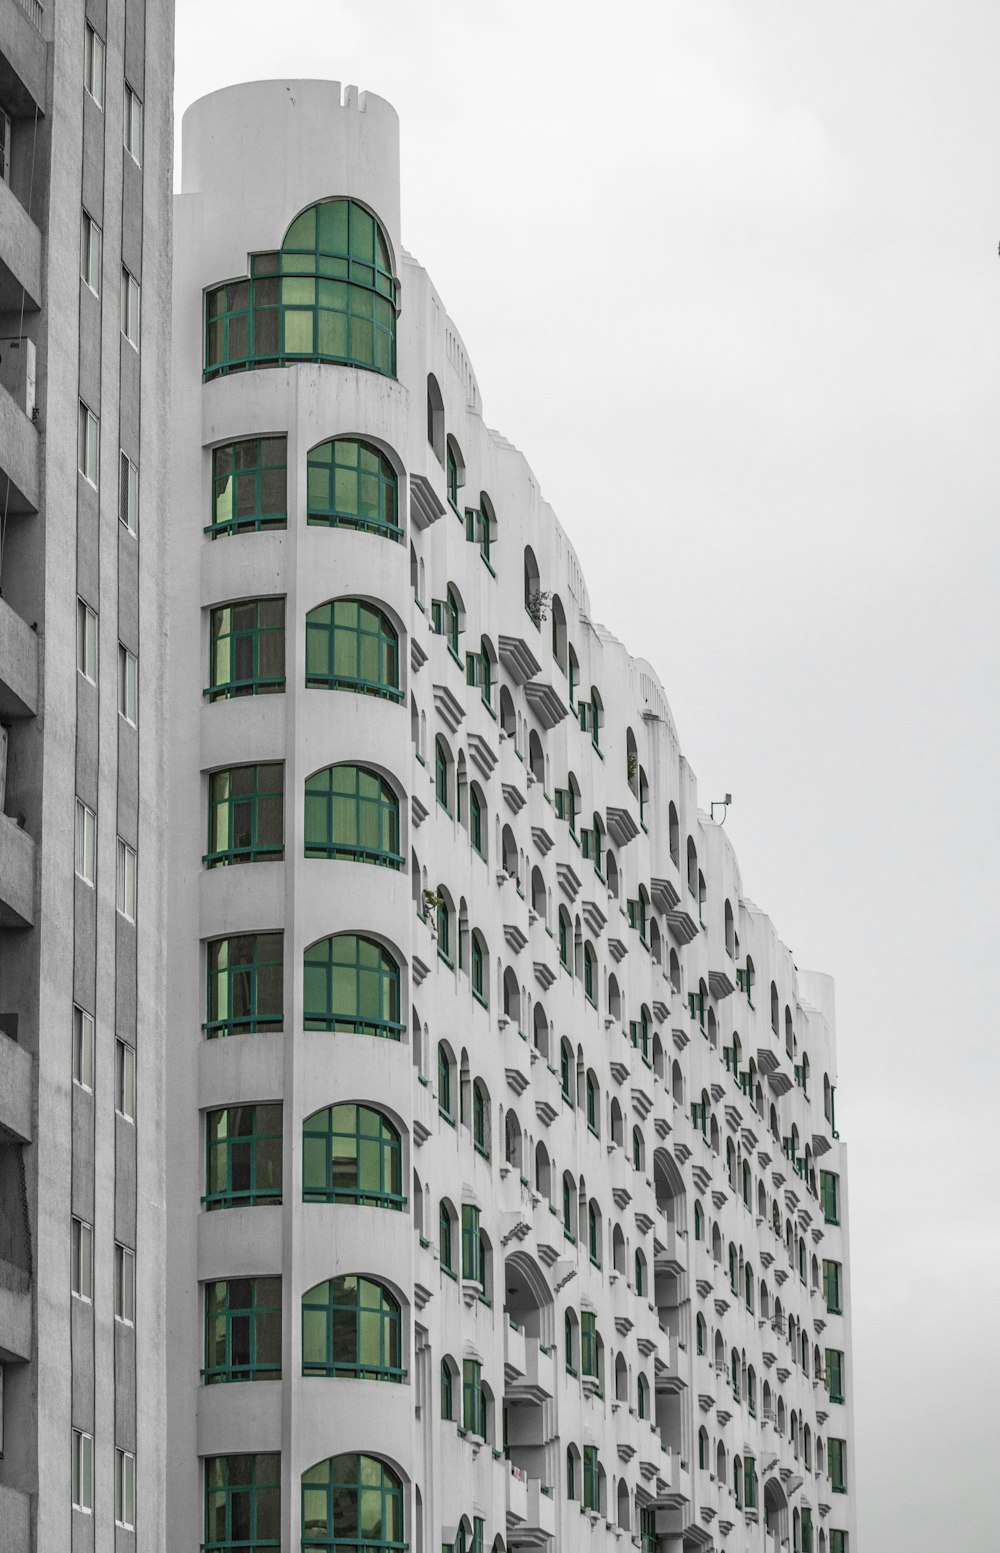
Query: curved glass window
x=242 y=1502
x=351 y=984
x=352 y=812
x=242 y=1330
x=351 y=1153
x=352 y=646
x=246 y=819
x=243 y=1156
x=352 y=485
x=249 y=486
x=245 y=984
x=351 y=1326
x=247 y=654
x=328 y=295
x=352 y=1502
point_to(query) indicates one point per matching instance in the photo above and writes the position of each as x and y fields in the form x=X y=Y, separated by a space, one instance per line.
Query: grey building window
x=125 y=896
x=130 y=308
x=124 y=1285
x=124 y=1489
x=133 y=124
x=125 y=1080
x=128 y=493
x=82 y=1259
x=86 y=843
x=83 y=1471
x=128 y=685
x=86 y=641
x=83 y=1048
x=93 y=66
x=91 y=249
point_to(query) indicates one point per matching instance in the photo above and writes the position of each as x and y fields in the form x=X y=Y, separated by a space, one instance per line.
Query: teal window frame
x=838 y=1541
x=242 y=1330
x=352 y=812
x=352 y=1154
x=246 y=815
x=328 y=295
x=569 y=1336
x=480 y=1120
x=591 y=1478
x=835 y=1374
x=589 y=969
x=351 y=484
x=570 y=1471
x=636 y=1149
x=242 y=1502
x=640 y=1275
x=750 y=1483
x=451 y=466
x=472 y=1265
x=249 y=486
x=247 y=649
x=350 y=645
x=563 y=940
x=700 y=1333
x=442 y=775
x=444 y=1084
x=446 y=1248
x=245 y=991
x=593 y=1235
x=642 y=1397
x=832 y=1292
x=352 y=1326
x=479 y=985
x=829 y=1191
x=478 y=672
x=565 y=1074
x=836 y=1464
x=443 y=922
x=591 y=1105
x=447 y=1393
x=589 y=1345
x=352 y=1503
x=647 y=1531
x=243 y=1145
x=473 y=1411
x=476 y=823
x=351 y=984
x=568 y=1212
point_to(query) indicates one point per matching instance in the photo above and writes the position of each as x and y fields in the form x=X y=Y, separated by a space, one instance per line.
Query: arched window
x=674 y=832
x=747 y=1186
x=569 y=1341
x=481 y=1119
x=700 y=1334
x=774 y=1008
x=572 y=1490
x=533 y=601
x=444 y=1081
x=569 y=1207
x=350 y=645
x=351 y=984
x=435 y=417
x=442 y=775
x=574 y=677
x=565 y=937
x=642 y=1396
x=748 y=1287
x=692 y=868
x=351 y=1326
x=640 y=1274
x=352 y=1501
x=702 y=1446
x=594 y=1233
x=352 y=812
x=566 y=1071
x=353 y=1154
x=730 y=931
x=478 y=828
x=589 y=975
x=329 y=295
x=638 y=1150
x=443 y=925
x=480 y=963
x=699 y=1222
x=455 y=468
x=351 y=484
x=446 y=1237
x=447 y=1390
x=559 y=632
x=593 y=1114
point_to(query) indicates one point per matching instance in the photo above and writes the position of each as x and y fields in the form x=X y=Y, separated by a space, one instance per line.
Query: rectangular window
x=831 y=1287
x=243 y=1503
x=83 y=1471
x=93 y=66
x=243 y=1156
x=243 y=1330
x=249 y=486
x=838 y=1541
x=835 y=1460
x=591 y=1478
x=124 y=1284
x=133 y=124
x=835 y=1374
x=82 y=1260
x=128 y=493
x=829 y=1192
x=89 y=444
x=247 y=649
x=124 y=1489
x=588 y=1343
x=472 y=1397
x=90 y=254
x=125 y=1080
x=128 y=686
x=246 y=815
x=86 y=843
x=86 y=641
x=83 y=1048
x=130 y=308
x=125 y=898
x=245 y=984
x=471 y=1259
x=5 y=140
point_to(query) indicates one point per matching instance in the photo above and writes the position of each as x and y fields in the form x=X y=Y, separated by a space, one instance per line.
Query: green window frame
x=700 y=1334
x=246 y=815
x=636 y=1149
x=591 y=1478
x=452 y=470
x=589 y=1344
x=476 y=823
x=838 y=1541
x=647 y=1531
x=836 y=1465
x=350 y=645
x=699 y=1222
x=807 y=1528
x=329 y=295
x=446 y=1238
x=442 y=784
x=472 y=1261
x=750 y=1484
x=351 y=1326
x=351 y=484
x=243 y=1156
x=640 y=1275
x=249 y=486
x=352 y=1504
x=565 y=1073
x=591 y=1105
x=443 y=923
x=569 y=1337
x=473 y=1409
x=352 y=812
x=480 y=1120
x=642 y=1397
x=447 y=1392
x=831 y=1288
x=247 y=650
x=563 y=939
x=835 y=1374
x=568 y=1212
x=246 y=978
x=593 y=1235
x=570 y=1473
x=444 y=1084
x=242 y=1502
x=589 y=977
x=242 y=1330
x=479 y=988
x=351 y=984
x=478 y=671
x=352 y=1154
x=829 y=1192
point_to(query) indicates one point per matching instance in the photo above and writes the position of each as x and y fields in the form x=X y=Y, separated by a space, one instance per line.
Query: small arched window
x=533 y=601
x=674 y=831
x=351 y=983
x=352 y=1154
x=638 y=1150
x=594 y=1233
x=447 y=1391
x=351 y=484
x=444 y=1082
x=442 y=775
x=700 y=1333
x=455 y=469
x=593 y=1113
x=699 y=1222
x=730 y=930
x=642 y=1396
x=640 y=1274
x=480 y=963
x=566 y=1071
x=350 y=645
x=351 y=1327
x=351 y=812
x=692 y=868
x=565 y=937
x=481 y=1119
x=589 y=974
x=435 y=417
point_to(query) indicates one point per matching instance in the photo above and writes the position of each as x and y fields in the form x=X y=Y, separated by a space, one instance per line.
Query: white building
x=508 y=1208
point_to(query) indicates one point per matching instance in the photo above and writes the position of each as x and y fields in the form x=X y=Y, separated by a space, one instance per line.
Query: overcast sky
x=727 y=272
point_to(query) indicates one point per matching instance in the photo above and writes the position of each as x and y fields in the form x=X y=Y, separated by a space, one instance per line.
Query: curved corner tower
x=506 y=1203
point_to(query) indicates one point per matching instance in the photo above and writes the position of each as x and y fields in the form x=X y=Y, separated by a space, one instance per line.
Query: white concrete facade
x=694 y=1000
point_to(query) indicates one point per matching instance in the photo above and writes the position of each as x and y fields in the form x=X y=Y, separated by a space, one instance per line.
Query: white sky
x=727 y=272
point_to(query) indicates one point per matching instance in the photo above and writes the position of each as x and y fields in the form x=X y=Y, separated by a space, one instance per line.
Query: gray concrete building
x=85 y=176
x=508 y=1207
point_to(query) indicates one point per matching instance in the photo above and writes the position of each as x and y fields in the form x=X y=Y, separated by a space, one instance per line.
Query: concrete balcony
x=15 y=1090
x=22 y=66
x=18 y=664
x=17 y=875
x=20 y=256
x=531 y=1513
x=19 y=459
x=15 y=1317
x=15 y=1518
x=536 y=1382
